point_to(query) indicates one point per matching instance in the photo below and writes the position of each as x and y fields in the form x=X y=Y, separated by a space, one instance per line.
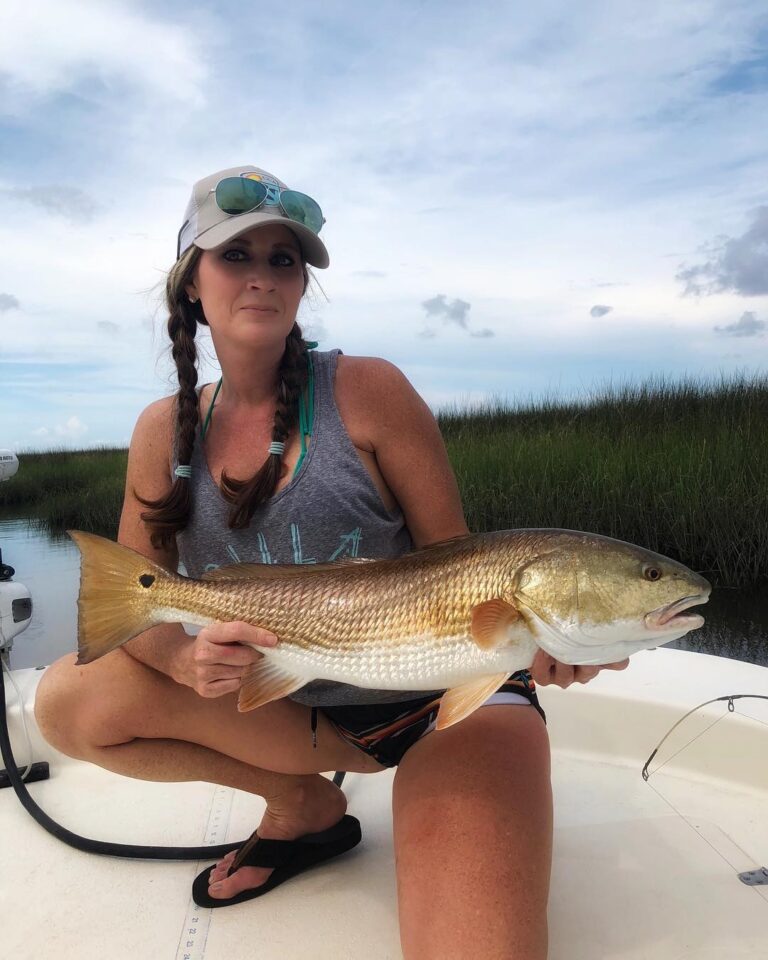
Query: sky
x=521 y=200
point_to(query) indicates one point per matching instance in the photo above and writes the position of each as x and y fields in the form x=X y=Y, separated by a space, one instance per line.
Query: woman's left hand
x=546 y=669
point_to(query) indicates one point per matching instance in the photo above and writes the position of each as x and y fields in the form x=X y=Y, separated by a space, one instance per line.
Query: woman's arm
x=386 y=416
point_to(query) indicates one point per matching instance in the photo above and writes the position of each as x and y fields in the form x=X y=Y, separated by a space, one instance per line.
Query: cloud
x=65 y=201
x=368 y=273
x=8 y=302
x=600 y=310
x=73 y=429
x=107 y=326
x=54 y=46
x=746 y=326
x=739 y=264
x=314 y=329
x=454 y=312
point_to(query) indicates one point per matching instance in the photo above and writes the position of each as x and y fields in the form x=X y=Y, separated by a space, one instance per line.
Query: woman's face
x=250 y=287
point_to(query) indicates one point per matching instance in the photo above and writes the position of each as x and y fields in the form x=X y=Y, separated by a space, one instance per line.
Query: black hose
x=104 y=847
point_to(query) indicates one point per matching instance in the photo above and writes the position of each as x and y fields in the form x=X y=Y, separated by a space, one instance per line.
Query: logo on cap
x=273 y=188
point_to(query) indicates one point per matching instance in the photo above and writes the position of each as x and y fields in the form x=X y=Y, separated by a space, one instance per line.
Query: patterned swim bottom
x=386 y=731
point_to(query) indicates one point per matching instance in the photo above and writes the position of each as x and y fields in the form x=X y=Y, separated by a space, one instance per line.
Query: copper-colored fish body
x=456 y=615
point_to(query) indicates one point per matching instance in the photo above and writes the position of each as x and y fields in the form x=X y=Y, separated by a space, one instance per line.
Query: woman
x=301 y=457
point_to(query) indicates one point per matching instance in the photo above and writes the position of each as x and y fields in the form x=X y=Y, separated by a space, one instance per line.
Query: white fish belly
x=422 y=664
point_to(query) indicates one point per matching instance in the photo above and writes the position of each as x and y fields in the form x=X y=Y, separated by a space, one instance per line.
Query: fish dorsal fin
x=277 y=571
x=459 y=702
x=490 y=621
x=263 y=682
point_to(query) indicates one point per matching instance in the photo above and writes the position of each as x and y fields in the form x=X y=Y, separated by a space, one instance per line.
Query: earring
x=192 y=299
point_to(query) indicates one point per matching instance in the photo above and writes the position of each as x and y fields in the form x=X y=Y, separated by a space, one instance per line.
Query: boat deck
x=642 y=871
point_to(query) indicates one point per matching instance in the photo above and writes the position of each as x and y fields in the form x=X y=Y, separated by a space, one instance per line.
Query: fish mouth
x=672 y=616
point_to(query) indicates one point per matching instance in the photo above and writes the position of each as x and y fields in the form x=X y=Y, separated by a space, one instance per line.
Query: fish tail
x=117 y=600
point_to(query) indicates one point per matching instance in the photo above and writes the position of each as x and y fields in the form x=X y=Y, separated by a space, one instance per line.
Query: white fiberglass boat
x=642 y=870
x=669 y=869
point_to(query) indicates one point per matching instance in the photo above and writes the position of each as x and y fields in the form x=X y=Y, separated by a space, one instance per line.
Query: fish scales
x=458 y=616
x=365 y=603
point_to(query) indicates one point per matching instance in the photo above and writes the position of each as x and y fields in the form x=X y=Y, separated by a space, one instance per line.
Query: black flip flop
x=288 y=857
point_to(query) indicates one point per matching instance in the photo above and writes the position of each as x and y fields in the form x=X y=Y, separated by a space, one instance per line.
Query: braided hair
x=169 y=514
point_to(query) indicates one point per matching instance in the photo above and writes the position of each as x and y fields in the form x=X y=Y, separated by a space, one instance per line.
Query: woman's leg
x=122 y=715
x=473 y=839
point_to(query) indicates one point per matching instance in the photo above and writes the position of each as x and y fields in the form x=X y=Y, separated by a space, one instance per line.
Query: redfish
x=459 y=615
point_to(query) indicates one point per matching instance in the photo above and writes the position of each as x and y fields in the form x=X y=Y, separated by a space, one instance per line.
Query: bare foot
x=315 y=804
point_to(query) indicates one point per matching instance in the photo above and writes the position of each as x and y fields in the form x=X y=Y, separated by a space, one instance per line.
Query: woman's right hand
x=214 y=663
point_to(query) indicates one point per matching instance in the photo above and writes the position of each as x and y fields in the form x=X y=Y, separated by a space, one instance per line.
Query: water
x=50 y=569
x=736 y=623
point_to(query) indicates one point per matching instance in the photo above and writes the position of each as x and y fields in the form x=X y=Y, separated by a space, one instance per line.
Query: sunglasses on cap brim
x=237 y=195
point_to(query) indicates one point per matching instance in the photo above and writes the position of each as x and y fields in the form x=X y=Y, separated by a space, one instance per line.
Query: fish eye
x=146 y=579
x=652 y=573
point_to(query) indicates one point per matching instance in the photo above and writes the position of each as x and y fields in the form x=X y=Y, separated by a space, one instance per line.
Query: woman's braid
x=170 y=513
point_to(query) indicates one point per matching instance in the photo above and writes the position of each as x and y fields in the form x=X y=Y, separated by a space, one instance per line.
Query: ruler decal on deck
x=194 y=932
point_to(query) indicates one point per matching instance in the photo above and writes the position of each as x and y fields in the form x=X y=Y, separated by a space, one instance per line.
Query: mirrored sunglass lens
x=302 y=209
x=239 y=195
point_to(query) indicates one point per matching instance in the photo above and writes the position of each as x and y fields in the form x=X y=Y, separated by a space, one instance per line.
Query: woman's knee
x=77 y=708
x=57 y=704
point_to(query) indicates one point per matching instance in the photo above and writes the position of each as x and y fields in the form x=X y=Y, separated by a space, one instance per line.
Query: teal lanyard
x=306 y=408
x=204 y=428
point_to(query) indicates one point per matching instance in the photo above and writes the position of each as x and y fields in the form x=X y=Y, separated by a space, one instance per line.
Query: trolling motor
x=15 y=616
x=15 y=607
x=15 y=599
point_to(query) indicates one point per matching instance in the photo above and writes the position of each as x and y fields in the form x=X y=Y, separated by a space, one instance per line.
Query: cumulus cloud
x=600 y=310
x=8 y=302
x=107 y=326
x=454 y=312
x=64 y=201
x=73 y=429
x=746 y=326
x=739 y=264
x=315 y=329
x=113 y=42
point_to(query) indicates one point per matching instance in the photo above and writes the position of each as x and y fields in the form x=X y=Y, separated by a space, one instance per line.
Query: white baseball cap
x=258 y=199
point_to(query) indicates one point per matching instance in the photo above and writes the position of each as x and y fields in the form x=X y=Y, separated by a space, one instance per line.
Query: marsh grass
x=61 y=489
x=678 y=467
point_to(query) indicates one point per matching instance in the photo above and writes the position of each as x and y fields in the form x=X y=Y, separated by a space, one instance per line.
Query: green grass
x=678 y=467
x=62 y=489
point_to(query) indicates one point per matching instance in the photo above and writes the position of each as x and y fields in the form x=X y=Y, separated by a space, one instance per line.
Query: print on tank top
x=348 y=546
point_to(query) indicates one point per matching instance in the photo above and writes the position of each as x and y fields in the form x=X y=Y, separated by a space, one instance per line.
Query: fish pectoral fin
x=459 y=702
x=264 y=682
x=490 y=621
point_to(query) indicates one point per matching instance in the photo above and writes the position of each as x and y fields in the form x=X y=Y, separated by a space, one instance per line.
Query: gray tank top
x=330 y=509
